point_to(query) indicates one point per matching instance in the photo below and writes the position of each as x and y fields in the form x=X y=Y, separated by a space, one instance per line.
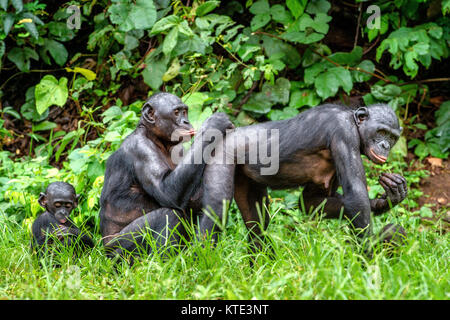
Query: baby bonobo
x=58 y=201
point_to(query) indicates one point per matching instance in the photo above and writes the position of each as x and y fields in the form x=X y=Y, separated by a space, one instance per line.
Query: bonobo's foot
x=393 y=235
x=395 y=186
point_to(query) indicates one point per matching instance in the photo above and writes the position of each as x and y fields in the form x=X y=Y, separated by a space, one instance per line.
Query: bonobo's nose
x=385 y=145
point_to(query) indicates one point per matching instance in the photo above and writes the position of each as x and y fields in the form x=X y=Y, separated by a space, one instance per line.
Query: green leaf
x=57 y=51
x=165 y=23
x=278 y=93
x=206 y=7
x=260 y=21
x=139 y=14
x=318 y=6
x=4 y=4
x=386 y=92
x=31 y=28
x=8 y=22
x=279 y=14
x=173 y=70
x=260 y=7
x=50 y=92
x=421 y=150
x=195 y=102
x=286 y=113
x=170 y=41
x=327 y=84
x=88 y=74
x=154 y=72
x=297 y=7
x=21 y=57
x=306 y=97
x=366 y=65
x=44 y=126
x=18 y=4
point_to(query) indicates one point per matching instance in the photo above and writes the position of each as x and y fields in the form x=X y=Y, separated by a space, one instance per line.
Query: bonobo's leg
x=394 y=184
x=313 y=196
x=217 y=187
x=249 y=197
x=163 y=224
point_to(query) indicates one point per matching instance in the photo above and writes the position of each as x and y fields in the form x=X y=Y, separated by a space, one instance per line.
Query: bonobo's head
x=378 y=129
x=163 y=113
x=59 y=200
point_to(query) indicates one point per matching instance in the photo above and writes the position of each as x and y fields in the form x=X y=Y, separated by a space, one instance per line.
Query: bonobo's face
x=379 y=130
x=167 y=117
x=59 y=200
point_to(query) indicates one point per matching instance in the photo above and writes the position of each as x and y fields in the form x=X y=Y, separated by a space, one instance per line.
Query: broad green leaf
x=206 y=7
x=57 y=51
x=258 y=103
x=173 y=70
x=31 y=28
x=306 y=97
x=386 y=92
x=197 y=115
x=278 y=93
x=8 y=21
x=165 y=23
x=18 y=4
x=4 y=4
x=275 y=47
x=297 y=7
x=366 y=65
x=21 y=57
x=280 y=14
x=44 y=126
x=49 y=91
x=170 y=41
x=260 y=7
x=154 y=71
x=260 y=21
x=139 y=14
x=318 y=6
x=327 y=85
x=286 y=113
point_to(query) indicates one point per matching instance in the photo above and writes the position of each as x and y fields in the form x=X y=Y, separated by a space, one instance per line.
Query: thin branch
x=352 y=68
x=357 y=25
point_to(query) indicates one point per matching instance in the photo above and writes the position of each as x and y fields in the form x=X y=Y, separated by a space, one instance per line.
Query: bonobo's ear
x=43 y=200
x=148 y=113
x=361 y=114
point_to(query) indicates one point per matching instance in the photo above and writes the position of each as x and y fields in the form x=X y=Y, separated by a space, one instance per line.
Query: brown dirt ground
x=436 y=189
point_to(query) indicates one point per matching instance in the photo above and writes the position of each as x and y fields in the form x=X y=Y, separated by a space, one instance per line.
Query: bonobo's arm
x=396 y=191
x=174 y=188
x=344 y=148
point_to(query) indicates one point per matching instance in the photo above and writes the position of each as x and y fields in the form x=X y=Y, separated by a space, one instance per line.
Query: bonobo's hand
x=395 y=187
x=218 y=121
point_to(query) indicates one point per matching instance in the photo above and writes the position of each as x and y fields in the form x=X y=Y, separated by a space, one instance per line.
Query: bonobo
x=144 y=190
x=321 y=150
x=58 y=201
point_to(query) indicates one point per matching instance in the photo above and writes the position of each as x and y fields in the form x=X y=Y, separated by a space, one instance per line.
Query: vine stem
x=352 y=68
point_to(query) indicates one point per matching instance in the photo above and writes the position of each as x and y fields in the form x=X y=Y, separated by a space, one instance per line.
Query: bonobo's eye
x=176 y=112
x=68 y=205
x=57 y=204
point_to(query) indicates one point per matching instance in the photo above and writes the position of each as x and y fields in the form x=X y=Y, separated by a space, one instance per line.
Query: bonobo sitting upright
x=58 y=201
x=145 y=190
x=319 y=149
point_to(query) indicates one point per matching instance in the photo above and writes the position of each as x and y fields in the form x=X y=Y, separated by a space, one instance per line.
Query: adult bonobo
x=144 y=188
x=59 y=200
x=319 y=149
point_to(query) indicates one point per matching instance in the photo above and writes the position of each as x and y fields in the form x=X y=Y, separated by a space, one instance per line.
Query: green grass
x=314 y=259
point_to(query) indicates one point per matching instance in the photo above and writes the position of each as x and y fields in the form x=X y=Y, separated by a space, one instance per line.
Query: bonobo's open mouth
x=183 y=133
x=62 y=220
x=379 y=158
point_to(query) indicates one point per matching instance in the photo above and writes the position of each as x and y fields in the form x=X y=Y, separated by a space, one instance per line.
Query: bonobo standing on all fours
x=59 y=200
x=319 y=149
